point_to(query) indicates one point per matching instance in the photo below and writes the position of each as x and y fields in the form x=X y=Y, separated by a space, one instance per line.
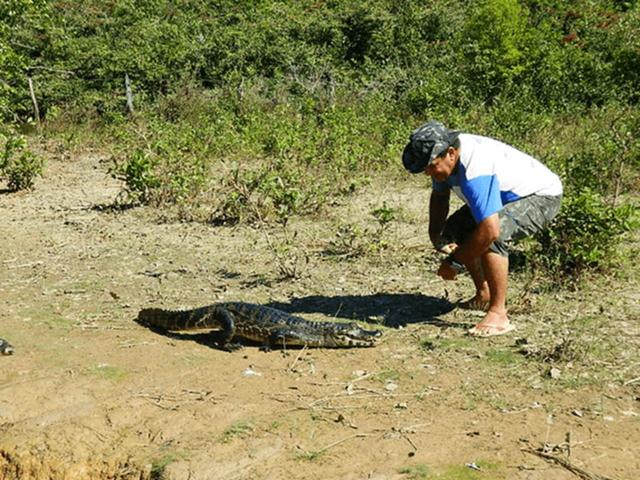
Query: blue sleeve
x=483 y=196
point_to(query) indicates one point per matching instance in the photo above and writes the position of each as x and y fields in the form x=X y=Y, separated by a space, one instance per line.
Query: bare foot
x=494 y=323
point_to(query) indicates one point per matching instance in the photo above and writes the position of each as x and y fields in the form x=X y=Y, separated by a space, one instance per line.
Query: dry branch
x=583 y=474
x=633 y=380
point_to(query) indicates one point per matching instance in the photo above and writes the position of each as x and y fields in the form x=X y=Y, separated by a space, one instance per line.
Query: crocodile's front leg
x=275 y=338
x=228 y=326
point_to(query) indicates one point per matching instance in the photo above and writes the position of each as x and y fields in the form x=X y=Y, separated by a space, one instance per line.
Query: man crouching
x=508 y=195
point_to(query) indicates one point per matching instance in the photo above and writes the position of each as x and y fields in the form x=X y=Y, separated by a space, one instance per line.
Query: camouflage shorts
x=518 y=220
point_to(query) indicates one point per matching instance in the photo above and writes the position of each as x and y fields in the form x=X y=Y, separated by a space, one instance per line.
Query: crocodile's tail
x=178 y=319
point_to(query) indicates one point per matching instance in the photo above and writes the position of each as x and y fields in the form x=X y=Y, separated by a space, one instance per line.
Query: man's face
x=441 y=167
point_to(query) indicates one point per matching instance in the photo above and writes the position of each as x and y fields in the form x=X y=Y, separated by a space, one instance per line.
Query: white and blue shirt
x=491 y=174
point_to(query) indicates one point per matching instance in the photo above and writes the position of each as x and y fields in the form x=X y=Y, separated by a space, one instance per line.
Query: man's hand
x=448 y=248
x=447 y=272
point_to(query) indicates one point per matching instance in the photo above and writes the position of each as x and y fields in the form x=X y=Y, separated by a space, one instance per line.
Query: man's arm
x=486 y=232
x=438 y=211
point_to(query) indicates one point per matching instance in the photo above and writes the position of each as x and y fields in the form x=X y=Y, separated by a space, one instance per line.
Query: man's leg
x=495 y=322
x=496 y=270
x=480 y=300
x=457 y=229
x=517 y=220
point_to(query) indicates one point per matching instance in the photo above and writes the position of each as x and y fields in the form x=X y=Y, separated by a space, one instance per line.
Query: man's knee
x=459 y=225
x=499 y=247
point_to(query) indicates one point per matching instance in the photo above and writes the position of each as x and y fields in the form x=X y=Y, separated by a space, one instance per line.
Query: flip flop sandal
x=491 y=330
x=474 y=304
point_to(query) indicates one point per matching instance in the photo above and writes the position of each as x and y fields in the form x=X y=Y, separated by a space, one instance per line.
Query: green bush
x=138 y=175
x=493 y=43
x=439 y=53
x=584 y=237
x=272 y=191
x=14 y=15
x=19 y=166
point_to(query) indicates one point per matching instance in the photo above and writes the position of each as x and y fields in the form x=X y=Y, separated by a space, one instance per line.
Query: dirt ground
x=90 y=394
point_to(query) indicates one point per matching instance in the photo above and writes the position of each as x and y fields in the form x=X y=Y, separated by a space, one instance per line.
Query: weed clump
x=19 y=166
x=585 y=236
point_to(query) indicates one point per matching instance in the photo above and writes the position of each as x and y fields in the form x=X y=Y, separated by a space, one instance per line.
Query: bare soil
x=91 y=394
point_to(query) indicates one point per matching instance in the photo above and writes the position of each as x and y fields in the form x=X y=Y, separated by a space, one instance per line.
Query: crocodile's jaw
x=5 y=348
x=353 y=336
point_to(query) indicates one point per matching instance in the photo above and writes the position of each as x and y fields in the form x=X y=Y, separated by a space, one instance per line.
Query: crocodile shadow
x=211 y=338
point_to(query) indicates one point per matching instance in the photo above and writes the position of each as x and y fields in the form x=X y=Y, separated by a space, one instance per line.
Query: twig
x=633 y=380
x=338 y=442
x=583 y=474
x=368 y=393
x=131 y=345
x=157 y=401
x=345 y=384
x=569 y=443
x=293 y=364
x=408 y=439
x=176 y=402
x=49 y=69
x=336 y=409
x=362 y=377
x=25 y=265
x=93 y=326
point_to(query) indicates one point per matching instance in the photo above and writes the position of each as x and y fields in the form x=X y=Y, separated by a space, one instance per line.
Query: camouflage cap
x=426 y=143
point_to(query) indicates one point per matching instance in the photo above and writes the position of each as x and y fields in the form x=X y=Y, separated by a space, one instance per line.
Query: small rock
x=577 y=413
x=555 y=373
x=249 y=372
x=401 y=405
x=391 y=387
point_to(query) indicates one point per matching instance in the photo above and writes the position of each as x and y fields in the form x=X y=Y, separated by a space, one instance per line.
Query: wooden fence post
x=127 y=86
x=36 y=111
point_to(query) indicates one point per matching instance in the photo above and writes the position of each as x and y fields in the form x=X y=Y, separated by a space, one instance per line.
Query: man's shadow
x=389 y=309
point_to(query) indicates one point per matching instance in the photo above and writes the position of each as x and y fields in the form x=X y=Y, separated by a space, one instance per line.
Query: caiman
x=266 y=325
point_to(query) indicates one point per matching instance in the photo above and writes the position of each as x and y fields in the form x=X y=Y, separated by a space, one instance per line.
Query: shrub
x=584 y=237
x=277 y=190
x=19 y=166
x=493 y=42
x=137 y=173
